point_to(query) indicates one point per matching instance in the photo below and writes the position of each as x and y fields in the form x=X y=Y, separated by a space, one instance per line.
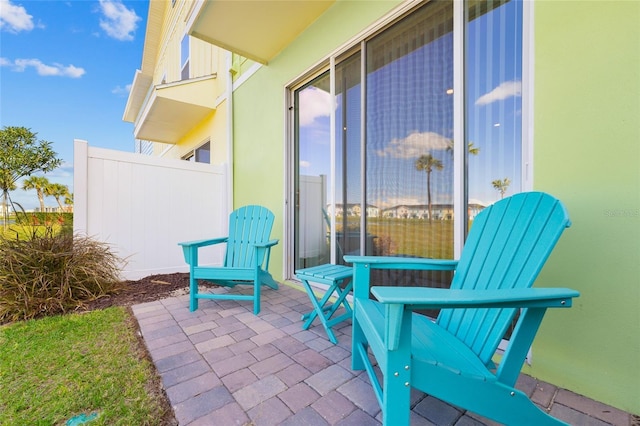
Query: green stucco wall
x=587 y=153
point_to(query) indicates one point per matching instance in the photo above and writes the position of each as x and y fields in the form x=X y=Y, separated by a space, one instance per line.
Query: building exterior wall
x=586 y=103
x=587 y=152
x=204 y=60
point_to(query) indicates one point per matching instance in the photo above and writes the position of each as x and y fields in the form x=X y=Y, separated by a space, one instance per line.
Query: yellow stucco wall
x=204 y=60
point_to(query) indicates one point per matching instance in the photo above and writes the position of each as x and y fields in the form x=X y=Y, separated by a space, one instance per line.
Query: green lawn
x=408 y=237
x=55 y=368
x=415 y=237
x=23 y=232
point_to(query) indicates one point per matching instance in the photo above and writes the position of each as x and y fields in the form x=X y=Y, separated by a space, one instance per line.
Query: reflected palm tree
x=428 y=163
x=501 y=185
x=473 y=150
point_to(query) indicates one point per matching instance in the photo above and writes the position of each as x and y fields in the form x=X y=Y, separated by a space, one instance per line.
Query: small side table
x=338 y=278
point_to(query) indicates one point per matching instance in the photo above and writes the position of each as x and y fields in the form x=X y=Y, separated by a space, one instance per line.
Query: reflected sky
x=409 y=112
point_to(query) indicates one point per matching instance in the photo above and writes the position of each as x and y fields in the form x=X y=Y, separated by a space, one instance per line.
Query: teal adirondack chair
x=246 y=260
x=451 y=358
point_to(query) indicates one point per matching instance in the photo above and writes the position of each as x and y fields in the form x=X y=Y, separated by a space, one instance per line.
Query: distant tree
x=57 y=191
x=501 y=186
x=428 y=163
x=22 y=154
x=4 y=207
x=41 y=184
x=68 y=200
x=473 y=150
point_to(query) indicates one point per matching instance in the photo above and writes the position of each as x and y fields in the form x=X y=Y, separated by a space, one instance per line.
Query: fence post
x=80 y=186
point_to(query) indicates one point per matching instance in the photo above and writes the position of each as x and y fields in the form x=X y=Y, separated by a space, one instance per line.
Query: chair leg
x=396 y=388
x=256 y=296
x=193 y=293
x=396 y=398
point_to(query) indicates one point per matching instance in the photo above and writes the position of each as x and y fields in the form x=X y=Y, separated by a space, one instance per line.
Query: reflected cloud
x=415 y=145
x=503 y=91
x=314 y=103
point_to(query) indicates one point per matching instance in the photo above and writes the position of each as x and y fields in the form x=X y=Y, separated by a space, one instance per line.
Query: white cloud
x=65 y=170
x=415 y=145
x=304 y=164
x=118 y=21
x=503 y=91
x=14 y=18
x=121 y=91
x=20 y=65
x=314 y=103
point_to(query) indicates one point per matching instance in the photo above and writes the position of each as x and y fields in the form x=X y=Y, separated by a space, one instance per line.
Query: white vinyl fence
x=143 y=206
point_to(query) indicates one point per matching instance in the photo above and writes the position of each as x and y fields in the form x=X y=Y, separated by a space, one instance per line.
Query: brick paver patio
x=222 y=365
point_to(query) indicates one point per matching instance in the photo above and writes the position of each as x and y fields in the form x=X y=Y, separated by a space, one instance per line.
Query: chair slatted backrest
x=247 y=225
x=507 y=246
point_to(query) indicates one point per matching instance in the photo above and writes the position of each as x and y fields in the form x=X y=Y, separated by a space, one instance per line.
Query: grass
x=23 y=232
x=55 y=368
x=410 y=237
x=416 y=237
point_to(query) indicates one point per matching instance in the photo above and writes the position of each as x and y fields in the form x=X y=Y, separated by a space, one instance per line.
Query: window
x=312 y=168
x=390 y=176
x=202 y=154
x=184 y=58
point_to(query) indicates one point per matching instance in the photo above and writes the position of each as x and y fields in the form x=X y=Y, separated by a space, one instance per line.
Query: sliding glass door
x=312 y=165
x=398 y=145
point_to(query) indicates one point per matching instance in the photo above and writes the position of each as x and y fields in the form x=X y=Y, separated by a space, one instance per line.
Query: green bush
x=39 y=218
x=53 y=273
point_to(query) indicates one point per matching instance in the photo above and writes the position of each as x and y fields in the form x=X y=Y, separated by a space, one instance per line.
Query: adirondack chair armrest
x=397 y=300
x=266 y=244
x=203 y=243
x=261 y=248
x=190 y=248
x=393 y=262
x=441 y=298
x=362 y=266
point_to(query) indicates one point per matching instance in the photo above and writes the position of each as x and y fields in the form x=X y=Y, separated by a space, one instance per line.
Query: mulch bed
x=147 y=289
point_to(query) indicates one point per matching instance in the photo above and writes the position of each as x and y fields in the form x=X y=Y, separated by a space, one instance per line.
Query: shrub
x=53 y=273
x=40 y=218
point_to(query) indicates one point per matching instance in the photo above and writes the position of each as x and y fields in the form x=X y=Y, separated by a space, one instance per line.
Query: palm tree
x=39 y=183
x=473 y=150
x=4 y=208
x=68 y=200
x=501 y=186
x=428 y=162
x=57 y=191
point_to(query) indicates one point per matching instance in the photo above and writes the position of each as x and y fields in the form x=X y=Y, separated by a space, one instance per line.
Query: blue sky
x=65 y=72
